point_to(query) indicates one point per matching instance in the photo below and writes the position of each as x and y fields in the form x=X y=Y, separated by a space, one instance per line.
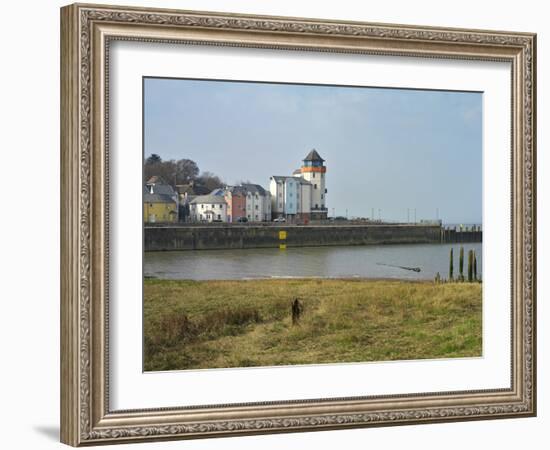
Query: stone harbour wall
x=208 y=237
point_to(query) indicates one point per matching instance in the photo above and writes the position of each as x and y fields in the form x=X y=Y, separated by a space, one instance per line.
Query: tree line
x=181 y=171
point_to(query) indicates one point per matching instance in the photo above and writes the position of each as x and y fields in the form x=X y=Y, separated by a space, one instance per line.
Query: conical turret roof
x=313 y=156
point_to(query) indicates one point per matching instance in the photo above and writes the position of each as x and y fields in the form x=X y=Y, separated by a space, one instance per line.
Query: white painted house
x=208 y=208
x=258 y=203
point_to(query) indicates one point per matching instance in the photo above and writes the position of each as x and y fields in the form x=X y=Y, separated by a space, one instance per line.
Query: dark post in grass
x=451 y=265
x=297 y=310
x=461 y=264
x=475 y=266
x=470 y=266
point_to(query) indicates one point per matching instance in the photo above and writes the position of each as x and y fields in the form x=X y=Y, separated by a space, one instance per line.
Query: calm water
x=326 y=262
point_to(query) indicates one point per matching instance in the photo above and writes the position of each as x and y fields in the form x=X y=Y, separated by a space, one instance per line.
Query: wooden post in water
x=461 y=264
x=470 y=266
x=451 y=265
x=475 y=266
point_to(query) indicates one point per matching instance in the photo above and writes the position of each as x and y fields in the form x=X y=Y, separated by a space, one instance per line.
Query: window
x=314 y=186
x=219 y=217
x=313 y=174
x=280 y=194
x=202 y=206
x=256 y=207
x=290 y=195
x=321 y=196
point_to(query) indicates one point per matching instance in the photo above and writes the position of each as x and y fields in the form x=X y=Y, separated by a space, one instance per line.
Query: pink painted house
x=235 y=196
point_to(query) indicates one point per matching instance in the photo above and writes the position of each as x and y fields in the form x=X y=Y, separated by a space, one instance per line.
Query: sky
x=387 y=150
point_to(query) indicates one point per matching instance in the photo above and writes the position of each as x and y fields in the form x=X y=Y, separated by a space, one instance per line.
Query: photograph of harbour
x=289 y=224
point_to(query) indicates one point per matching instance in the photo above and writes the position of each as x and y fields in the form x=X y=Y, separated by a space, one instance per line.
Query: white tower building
x=314 y=170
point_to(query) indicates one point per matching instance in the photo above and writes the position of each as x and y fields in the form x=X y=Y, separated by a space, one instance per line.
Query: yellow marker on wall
x=282 y=237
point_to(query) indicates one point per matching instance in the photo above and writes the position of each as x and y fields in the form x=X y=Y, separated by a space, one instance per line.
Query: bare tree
x=187 y=170
x=182 y=171
x=210 y=181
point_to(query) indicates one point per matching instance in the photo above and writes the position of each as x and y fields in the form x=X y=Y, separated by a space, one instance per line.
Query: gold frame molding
x=86 y=31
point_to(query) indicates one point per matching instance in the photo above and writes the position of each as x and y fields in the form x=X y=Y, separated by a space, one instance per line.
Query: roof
x=208 y=199
x=219 y=192
x=163 y=189
x=284 y=178
x=254 y=188
x=184 y=188
x=200 y=190
x=192 y=189
x=157 y=198
x=236 y=190
x=313 y=156
x=155 y=179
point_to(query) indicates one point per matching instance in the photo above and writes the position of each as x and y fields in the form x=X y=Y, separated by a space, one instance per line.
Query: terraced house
x=159 y=208
x=209 y=208
x=258 y=203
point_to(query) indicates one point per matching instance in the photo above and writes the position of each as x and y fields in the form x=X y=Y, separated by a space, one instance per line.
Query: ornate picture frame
x=87 y=31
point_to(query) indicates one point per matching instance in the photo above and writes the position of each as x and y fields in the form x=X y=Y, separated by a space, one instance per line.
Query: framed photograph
x=276 y=224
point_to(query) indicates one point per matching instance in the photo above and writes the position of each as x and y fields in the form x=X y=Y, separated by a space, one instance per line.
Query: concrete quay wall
x=166 y=238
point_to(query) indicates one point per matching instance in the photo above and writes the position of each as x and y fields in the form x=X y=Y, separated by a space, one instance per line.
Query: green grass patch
x=214 y=324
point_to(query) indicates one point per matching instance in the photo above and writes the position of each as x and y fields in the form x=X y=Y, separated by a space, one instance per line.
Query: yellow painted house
x=159 y=208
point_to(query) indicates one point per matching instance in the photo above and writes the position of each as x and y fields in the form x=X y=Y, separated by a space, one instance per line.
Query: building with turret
x=313 y=170
x=301 y=197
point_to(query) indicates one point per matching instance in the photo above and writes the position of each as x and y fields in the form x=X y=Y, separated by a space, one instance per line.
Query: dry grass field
x=215 y=324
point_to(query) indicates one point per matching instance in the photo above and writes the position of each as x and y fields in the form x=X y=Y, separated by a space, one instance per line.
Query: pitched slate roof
x=157 y=198
x=208 y=199
x=184 y=189
x=163 y=189
x=313 y=156
x=155 y=179
x=236 y=189
x=219 y=192
x=254 y=188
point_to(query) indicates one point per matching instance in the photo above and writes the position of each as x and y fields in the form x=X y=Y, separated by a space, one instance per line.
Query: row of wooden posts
x=472 y=267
